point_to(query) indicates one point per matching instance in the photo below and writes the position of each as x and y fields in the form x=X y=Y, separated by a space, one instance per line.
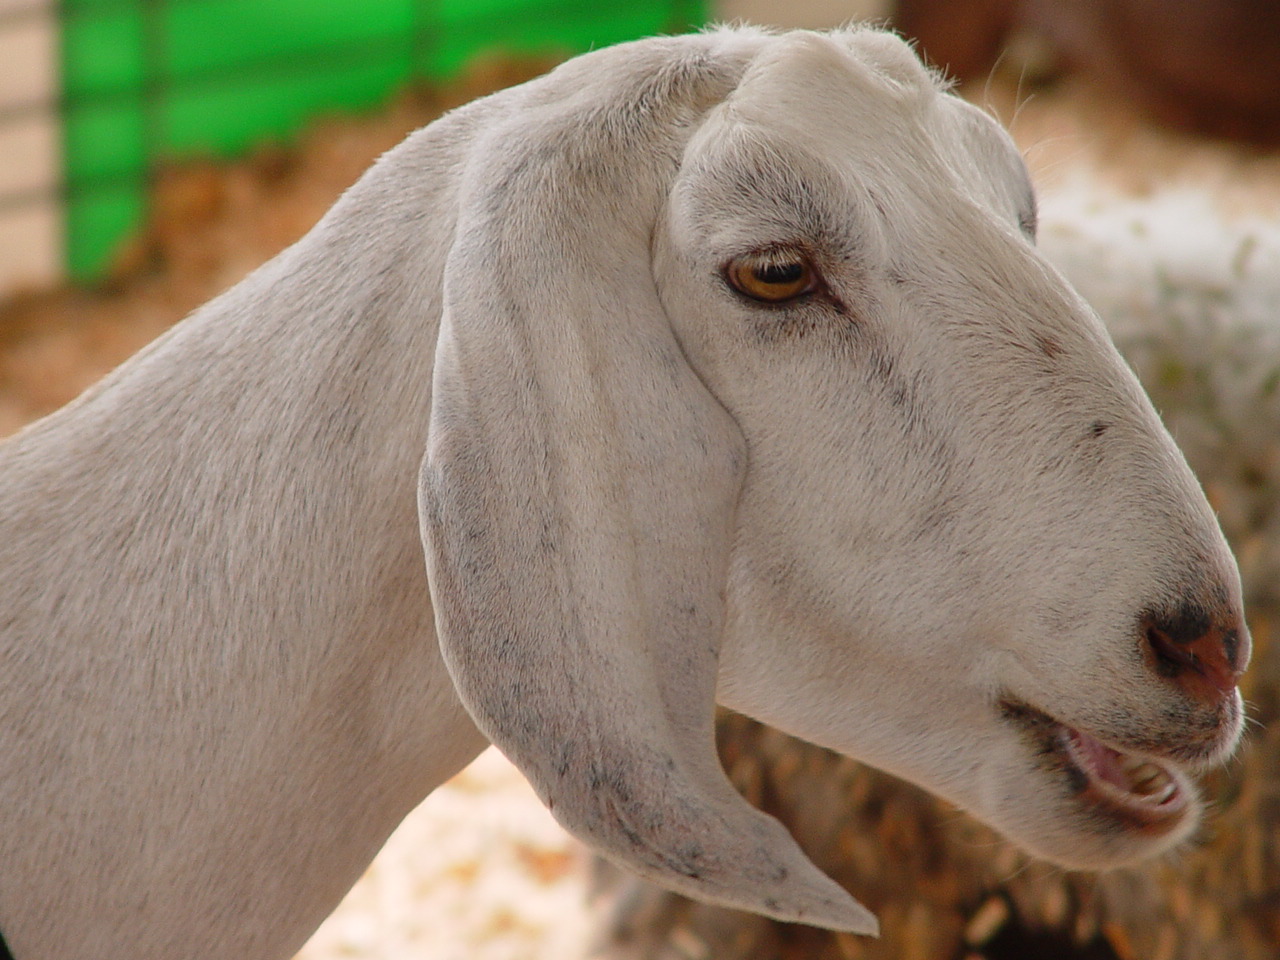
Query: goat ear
x=577 y=503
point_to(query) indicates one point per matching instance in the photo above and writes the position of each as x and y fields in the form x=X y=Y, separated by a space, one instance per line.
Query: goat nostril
x=1189 y=649
x=1231 y=646
x=1170 y=658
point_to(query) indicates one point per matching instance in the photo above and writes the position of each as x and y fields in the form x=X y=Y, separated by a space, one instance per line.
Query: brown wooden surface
x=1209 y=66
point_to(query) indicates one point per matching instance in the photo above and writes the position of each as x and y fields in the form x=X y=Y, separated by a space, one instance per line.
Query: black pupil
x=780 y=273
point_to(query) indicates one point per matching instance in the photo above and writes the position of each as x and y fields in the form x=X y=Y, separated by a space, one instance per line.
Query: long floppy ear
x=577 y=503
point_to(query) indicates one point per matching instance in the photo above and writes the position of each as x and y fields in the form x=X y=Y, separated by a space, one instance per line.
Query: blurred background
x=152 y=152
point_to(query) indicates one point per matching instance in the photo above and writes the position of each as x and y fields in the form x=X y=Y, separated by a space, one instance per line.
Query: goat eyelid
x=773 y=275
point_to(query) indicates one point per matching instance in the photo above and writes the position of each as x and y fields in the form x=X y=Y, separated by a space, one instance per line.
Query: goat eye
x=772 y=277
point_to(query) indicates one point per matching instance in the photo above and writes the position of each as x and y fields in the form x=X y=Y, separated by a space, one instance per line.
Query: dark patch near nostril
x=1183 y=626
x=1171 y=636
x=1170 y=660
x=1231 y=647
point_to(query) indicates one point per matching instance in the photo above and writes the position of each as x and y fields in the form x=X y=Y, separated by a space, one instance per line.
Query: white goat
x=738 y=378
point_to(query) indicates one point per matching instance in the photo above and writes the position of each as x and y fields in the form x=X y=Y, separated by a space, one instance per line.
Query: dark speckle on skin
x=547 y=542
x=632 y=836
x=939 y=516
x=881 y=206
x=568 y=759
x=885 y=371
x=1050 y=347
x=1098 y=428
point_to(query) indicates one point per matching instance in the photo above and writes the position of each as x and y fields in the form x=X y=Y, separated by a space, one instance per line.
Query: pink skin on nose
x=1203 y=658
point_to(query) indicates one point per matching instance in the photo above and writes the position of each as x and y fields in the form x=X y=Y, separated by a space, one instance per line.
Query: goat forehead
x=744 y=188
x=821 y=89
x=869 y=62
x=817 y=115
x=744 y=185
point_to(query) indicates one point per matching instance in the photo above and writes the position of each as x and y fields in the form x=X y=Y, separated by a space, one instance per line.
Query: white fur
x=866 y=518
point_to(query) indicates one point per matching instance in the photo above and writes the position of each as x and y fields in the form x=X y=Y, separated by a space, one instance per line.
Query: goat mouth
x=1149 y=795
x=1138 y=792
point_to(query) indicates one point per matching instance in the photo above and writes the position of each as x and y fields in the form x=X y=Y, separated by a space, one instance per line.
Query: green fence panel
x=148 y=81
x=231 y=115
x=102 y=53
x=97 y=219
x=219 y=35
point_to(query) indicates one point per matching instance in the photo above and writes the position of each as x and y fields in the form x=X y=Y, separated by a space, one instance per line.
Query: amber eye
x=772 y=276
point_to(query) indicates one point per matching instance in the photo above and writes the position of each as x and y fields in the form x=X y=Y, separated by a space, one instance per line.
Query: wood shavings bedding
x=479 y=871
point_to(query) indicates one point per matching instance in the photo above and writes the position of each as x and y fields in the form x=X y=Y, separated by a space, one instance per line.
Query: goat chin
x=721 y=365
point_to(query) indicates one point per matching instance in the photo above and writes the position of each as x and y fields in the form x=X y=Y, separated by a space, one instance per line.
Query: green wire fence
x=148 y=81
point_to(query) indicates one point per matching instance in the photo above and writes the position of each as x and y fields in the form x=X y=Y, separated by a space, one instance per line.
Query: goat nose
x=1203 y=657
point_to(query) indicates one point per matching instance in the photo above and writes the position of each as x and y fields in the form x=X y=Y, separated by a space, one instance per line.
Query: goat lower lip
x=1147 y=795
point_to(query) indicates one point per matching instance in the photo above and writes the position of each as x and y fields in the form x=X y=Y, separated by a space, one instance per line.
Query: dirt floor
x=481 y=871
